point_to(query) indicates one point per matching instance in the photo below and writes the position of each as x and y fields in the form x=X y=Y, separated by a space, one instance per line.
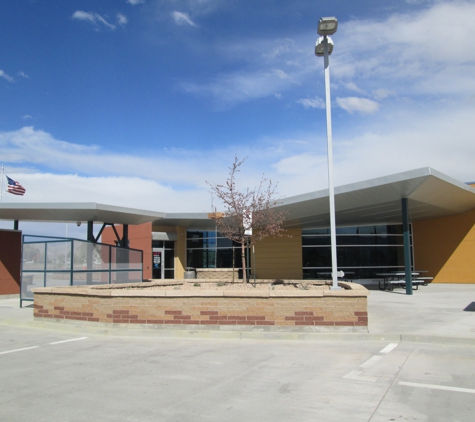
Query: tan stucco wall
x=280 y=257
x=180 y=247
x=446 y=248
x=180 y=252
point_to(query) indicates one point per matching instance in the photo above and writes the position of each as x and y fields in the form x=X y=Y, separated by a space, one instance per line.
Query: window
x=362 y=251
x=209 y=249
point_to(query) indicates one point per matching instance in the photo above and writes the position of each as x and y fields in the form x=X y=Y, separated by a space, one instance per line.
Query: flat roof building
x=369 y=218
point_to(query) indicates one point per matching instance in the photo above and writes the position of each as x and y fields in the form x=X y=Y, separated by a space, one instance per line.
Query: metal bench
x=402 y=283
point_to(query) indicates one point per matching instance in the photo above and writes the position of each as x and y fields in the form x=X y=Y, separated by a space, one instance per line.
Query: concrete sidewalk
x=438 y=313
x=434 y=313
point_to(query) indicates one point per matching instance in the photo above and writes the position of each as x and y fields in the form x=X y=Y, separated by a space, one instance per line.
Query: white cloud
x=261 y=74
x=174 y=180
x=237 y=87
x=442 y=140
x=398 y=56
x=122 y=19
x=312 y=102
x=36 y=149
x=281 y=48
x=353 y=87
x=280 y=74
x=134 y=2
x=26 y=117
x=182 y=18
x=357 y=104
x=133 y=192
x=91 y=17
x=381 y=94
x=5 y=76
x=23 y=75
x=404 y=51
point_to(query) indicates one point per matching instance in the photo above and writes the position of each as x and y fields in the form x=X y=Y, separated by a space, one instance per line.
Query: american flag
x=15 y=187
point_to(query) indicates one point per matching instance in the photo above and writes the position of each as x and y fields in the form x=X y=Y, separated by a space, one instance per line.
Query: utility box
x=190 y=274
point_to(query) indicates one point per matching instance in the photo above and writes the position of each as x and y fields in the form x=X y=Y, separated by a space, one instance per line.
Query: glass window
x=316 y=257
x=316 y=231
x=347 y=230
x=169 y=259
x=209 y=249
x=316 y=240
x=201 y=258
x=223 y=242
x=362 y=252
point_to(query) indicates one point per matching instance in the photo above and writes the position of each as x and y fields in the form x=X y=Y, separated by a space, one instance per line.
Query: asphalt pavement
x=417 y=363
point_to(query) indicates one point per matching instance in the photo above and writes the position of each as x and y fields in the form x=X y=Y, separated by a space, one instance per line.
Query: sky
x=144 y=103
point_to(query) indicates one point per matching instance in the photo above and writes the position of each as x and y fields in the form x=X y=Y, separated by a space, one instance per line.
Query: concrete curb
x=161 y=332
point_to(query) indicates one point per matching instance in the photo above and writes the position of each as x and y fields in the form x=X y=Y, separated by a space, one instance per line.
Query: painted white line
x=67 y=341
x=390 y=347
x=19 y=350
x=370 y=362
x=437 y=387
x=356 y=375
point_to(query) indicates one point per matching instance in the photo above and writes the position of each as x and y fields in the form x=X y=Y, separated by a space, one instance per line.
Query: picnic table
x=397 y=279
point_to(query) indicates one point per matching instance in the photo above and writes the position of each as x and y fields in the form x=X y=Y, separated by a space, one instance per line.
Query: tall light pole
x=324 y=47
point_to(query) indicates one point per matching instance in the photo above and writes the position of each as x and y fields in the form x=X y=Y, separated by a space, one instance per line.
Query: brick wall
x=316 y=310
x=10 y=261
x=140 y=237
x=217 y=273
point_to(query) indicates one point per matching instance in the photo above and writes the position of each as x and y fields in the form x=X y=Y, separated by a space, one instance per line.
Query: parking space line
x=437 y=387
x=356 y=375
x=370 y=362
x=67 y=341
x=390 y=347
x=19 y=350
x=36 y=347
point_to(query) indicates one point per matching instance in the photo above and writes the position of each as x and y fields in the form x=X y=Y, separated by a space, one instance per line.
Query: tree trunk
x=243 y=257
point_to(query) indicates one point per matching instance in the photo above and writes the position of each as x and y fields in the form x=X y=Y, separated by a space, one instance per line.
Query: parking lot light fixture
x=326 y=27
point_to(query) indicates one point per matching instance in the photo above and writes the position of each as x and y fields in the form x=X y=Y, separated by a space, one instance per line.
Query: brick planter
x=300 y=310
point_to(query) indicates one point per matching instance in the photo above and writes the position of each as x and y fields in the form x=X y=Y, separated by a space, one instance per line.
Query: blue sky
x=139 y=103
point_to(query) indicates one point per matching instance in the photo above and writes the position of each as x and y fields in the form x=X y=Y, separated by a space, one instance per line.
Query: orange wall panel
x=446 y=248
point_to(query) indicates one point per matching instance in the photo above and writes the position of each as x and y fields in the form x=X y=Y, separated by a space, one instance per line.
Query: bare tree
x=249 y=215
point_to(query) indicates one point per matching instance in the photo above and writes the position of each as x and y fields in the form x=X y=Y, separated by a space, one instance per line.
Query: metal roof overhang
x=430 y=194
x=74 y=212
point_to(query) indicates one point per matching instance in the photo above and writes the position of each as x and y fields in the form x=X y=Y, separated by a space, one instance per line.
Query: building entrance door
x=158 y=263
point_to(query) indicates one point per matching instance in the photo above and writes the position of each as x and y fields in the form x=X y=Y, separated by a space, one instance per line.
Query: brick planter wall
x=217 y=273
x=314 y=310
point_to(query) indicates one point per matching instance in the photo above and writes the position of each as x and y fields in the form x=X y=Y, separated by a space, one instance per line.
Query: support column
x=125 y=236
x=15 y=225
x=90 y=231
x=407 y=246
x=90 y=238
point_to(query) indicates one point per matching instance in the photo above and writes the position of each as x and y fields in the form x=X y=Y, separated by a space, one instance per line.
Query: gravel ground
x=197 y=285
